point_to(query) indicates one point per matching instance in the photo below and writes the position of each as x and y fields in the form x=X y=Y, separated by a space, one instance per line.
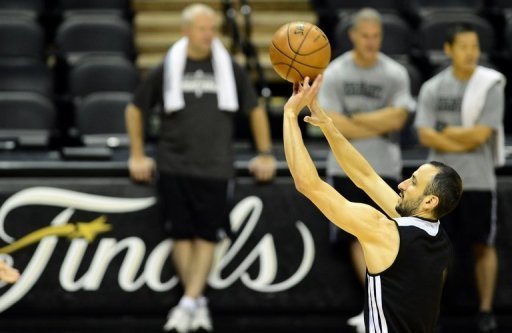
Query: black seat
x=26 y=75
x=102 y=73
x=380 y=5
x=21 y=38
x=100 y=119
x=415 y=76
x=26 y=8
x=433 y=31
x=96 y=7
x=427 y=7
x=26 y=118
x=396 y=40
x=85 y=34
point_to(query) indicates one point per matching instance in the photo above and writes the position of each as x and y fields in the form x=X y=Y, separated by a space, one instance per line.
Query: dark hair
x=456 y=29
x=447 y=186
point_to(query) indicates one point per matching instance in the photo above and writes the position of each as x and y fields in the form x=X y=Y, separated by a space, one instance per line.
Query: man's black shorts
x=195 y=207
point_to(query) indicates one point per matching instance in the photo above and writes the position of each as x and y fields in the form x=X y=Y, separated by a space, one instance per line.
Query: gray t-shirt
x=350 y=89
x=440 y=99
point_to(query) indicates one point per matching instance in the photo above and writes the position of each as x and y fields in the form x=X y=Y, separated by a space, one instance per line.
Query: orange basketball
x=299 y=49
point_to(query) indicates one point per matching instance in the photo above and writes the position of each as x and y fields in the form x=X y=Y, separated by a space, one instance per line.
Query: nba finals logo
x=135 y=271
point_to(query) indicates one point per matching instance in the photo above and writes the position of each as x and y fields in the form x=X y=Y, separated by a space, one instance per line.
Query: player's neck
x=364 y=62
x=461 y=74
x=194 y=54
x=425 y=216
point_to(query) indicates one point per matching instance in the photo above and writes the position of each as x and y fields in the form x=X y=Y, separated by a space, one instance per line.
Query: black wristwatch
x=267 y=152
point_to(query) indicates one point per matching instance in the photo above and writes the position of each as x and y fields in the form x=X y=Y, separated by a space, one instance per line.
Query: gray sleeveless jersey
x=440 y=99
x=350 y=89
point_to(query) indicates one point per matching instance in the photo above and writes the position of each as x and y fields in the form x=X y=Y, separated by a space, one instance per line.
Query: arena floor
x=223 y=324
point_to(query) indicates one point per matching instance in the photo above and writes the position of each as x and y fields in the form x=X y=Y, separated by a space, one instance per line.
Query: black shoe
x=487 y=323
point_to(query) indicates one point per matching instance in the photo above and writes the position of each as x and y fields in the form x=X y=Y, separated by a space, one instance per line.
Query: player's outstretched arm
x=363 y=221
x=353 y=163
x=299 y=161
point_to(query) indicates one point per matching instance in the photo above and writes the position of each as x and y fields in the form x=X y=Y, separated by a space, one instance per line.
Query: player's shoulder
x=236 y=66
x=336 y=66
x=435 y=81
x=391 y=65
x=340 y=61
x=238 y=70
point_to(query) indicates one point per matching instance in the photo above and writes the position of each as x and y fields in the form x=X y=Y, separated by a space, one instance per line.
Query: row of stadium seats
x=39 y=8
x=73 y=84
x=91 y=75
x=100 y=86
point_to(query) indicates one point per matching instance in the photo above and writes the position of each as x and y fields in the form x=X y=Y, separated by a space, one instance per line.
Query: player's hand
x=303 y=95
x=142 y=169
x=318 y=115
x=7 y=273
x=263 y=167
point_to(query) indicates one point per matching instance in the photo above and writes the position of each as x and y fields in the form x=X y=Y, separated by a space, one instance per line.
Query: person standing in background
x=460 y=118
x=367 y=94
x=200 y=89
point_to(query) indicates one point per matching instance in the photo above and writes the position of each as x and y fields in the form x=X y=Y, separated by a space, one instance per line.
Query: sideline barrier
x=95 y=246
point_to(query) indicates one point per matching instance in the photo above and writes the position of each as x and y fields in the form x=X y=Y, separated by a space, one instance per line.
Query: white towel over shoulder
x=473 y=101
x=174 y=67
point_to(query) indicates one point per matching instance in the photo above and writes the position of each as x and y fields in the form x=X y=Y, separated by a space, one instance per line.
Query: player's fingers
x=9 y=275
x=142 y=175
x=263 y=175
x=318 y=81
x=306 y=82
x=296 y=87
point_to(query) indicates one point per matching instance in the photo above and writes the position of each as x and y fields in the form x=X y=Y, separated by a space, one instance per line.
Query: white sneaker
x=357 y=322
x=178 y=320
x=201 y=321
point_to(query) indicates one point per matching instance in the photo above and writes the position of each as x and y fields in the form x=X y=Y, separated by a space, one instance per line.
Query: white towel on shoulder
x=174 y=67
x=473 y=102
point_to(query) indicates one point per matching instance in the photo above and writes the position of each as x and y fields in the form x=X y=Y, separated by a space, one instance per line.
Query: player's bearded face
x=408 y=207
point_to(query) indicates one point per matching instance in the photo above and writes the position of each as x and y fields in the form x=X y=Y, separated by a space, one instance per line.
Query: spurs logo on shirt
x=199 y=83
x=449 y=103
x=363 y=89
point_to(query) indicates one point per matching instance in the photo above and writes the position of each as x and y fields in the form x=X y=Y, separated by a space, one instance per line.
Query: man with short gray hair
x=199 y=89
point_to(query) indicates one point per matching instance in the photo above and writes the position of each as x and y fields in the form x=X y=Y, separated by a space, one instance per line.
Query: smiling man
x=406 y=251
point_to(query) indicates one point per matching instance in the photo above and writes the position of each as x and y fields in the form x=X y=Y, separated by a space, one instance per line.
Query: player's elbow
x=399 y=120
x=482 y=136
x=426 y=137
x=399 y=123
x=306 y=185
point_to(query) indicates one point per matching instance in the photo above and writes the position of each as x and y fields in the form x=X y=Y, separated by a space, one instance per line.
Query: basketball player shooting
x=406 y=250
